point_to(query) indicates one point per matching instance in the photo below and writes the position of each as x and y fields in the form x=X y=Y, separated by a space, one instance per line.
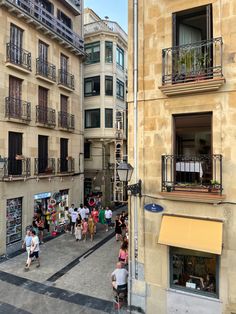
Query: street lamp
x=125 y=172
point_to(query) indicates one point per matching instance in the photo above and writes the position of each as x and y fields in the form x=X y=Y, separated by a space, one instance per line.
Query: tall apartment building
x=183 y=251
x=105 y=78
x=41 y=110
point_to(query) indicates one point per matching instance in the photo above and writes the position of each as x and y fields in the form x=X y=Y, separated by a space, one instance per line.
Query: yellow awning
x=194 y=234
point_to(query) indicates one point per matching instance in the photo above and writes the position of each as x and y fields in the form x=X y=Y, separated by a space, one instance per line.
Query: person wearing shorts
x=34 y=250
x=108 y=216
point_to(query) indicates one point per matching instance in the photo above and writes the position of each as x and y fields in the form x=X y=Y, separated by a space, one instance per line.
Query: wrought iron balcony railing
x=46 y=116
x=35 y=10
x=192 y=62
x=192 y=173
x=18 y=56
x=44 y=166
x=16 y=167
x=66 y=165
x=46 y=69
x=66 y=120
x=17 y=109
x=66 y=79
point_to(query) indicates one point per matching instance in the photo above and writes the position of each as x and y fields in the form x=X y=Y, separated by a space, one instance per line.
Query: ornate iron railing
x=44 y=166
x=66 y=120
x=46 y=116
x=65 y=165
x=16 y=167
x=46 y=69
x=192 y=62
x=35 y=10
x=18 y=56
x=17 y=109
x=203 y=172
x=66 y=79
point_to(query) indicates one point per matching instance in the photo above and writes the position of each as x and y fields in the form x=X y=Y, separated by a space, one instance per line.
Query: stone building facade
x=184 y=260
x=105 y=75
x=41 y=110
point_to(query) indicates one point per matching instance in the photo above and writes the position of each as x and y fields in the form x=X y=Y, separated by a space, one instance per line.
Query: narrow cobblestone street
x=74 y=277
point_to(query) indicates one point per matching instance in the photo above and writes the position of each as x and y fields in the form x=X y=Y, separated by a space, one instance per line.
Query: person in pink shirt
x=84 y=229
x=94 y=215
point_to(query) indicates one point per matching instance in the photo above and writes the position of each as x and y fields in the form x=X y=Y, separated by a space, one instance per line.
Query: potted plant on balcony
x=202 y=65
x=48 y=170
x=214 y=186
x=169 y=186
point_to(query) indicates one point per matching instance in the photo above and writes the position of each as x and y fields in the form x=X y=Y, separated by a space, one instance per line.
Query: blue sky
x=117 y=10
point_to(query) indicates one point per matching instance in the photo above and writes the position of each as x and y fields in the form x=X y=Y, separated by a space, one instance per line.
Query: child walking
x=84 y=229
x=78 y=231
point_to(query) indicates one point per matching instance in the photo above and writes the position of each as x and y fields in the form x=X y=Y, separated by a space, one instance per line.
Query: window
x=108 y=118
x=92 y=86
x=63 y=154
x=14 y=148
x=93 y=51
x=120 y=57
x=16 y=39
x=42 y=153
x=92 y=118
x=64 y=19
x=194 y=271
x=87 y=147
x=119 y=89
x=109 y=51
x=108 y=85
x=15 y=103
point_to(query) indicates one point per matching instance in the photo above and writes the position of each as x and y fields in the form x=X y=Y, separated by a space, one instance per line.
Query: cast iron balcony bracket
x=135 y=188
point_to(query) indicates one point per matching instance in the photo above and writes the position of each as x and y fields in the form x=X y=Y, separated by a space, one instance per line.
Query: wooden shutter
x=42 y=153
x=14 y=148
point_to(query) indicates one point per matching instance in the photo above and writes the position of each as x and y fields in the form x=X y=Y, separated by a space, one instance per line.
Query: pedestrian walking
x=74 y=216
x=27 y=244
x=95 y=214
x=123 y=254
x=40 y=224
x=91 y=227
x=108 y=216
x=34 y=250
x=118 y=228
x=101 y=217
x=78 y=230
x=66 y=220
x=84 y=229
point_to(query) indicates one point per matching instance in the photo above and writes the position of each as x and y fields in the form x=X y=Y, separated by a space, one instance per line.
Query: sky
x=116 y=10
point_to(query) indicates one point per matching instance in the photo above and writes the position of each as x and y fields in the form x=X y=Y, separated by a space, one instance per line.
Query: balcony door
x=64 y=69
x=14 y=148
x=16 y=38
x=64 y=154
x=42 y=105
x=192 y=27
x=42 y=153
x=43 y=58
x=15 y=92
x=64 y=111
x=193 y=147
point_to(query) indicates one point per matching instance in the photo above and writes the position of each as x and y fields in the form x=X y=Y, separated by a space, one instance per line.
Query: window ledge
x=192 y=294
x=43 y=78
x=17 y=67
x=66 y=129
x=196 y=197
x=192 y=87
x=17 y=120
x=45 y=125
x=66 y=88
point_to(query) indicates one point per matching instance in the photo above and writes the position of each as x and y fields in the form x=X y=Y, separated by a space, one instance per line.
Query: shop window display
x=14 y=220
x=194 y=271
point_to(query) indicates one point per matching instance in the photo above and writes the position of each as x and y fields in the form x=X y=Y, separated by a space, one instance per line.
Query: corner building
x=184 y=260
x=41 y=114
x=105 y=77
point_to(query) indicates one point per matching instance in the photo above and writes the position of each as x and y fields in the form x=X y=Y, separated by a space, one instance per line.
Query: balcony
x=44 y=166
x=192 y=174
x=46 y=116
x=66 y=120
x=17 y=109
x=45 y=21
x=192 y=68
x=18 y=58
x=74 y=5
x=105 y=26
x=66 y=165
x=45 y=70
x=18 y=167
x=66 y=80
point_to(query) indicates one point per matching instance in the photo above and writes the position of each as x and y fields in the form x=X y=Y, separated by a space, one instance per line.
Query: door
x=43 y=105
x=64 y=69
x=42 y=153
x=43 y=58
x=16 y=37
x=64 y=110
x=15 y=91
x=14 y=148
x=64 y=154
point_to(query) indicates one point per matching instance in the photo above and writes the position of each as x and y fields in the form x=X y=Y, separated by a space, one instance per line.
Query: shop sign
x=42 y=195
x=154 y=208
